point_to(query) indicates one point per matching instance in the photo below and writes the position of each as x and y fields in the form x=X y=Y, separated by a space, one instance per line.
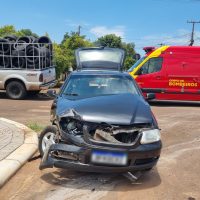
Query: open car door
x=100 y=58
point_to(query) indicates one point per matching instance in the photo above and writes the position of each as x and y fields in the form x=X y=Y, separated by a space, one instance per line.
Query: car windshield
x=85 y=86
x=136 y=64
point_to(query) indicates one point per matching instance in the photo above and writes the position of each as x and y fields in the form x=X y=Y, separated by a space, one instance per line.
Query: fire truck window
x=143 y=69
x=151 y=66
x=155 y=65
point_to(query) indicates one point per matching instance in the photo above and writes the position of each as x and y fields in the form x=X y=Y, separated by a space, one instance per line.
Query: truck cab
x=171 y=72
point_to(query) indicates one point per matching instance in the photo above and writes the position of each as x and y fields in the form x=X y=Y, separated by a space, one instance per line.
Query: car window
x=83 y=86
x=151 y=66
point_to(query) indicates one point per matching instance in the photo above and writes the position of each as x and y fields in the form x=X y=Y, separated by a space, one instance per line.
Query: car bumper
x=141 y=158
x=45 y=86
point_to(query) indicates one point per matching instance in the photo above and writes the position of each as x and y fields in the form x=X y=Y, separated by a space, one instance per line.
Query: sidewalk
x=17 y=144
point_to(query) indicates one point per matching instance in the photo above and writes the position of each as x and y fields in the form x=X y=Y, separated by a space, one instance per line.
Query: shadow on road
x=95 y=181
x=174 y=104
x=30 y=97
x=148 y=180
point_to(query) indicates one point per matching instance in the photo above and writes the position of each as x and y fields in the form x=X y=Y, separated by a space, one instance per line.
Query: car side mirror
x=150 y=96
x=52 y=93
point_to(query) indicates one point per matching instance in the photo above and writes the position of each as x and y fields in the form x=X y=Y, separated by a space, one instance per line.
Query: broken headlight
x=150 y=136
x=71 y=126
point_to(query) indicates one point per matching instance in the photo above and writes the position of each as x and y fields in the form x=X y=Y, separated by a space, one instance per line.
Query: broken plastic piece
x=133 y=177
x=71 y=113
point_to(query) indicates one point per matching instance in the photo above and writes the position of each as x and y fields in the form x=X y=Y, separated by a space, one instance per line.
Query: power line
x=192 y=34
x=163 y=38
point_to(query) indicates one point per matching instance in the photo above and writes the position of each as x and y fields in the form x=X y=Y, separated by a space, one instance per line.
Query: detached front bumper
x=142 y=157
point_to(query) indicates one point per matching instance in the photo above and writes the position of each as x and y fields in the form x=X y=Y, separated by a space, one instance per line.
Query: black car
x=100 y=120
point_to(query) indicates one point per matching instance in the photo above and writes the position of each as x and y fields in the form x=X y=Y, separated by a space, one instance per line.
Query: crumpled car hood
x=119 y=109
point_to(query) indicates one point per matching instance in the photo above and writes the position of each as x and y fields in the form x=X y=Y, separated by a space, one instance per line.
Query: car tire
x=47 y=135
x=16 y=90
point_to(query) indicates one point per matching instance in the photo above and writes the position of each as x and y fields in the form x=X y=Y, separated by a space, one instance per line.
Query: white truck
x=26 y=67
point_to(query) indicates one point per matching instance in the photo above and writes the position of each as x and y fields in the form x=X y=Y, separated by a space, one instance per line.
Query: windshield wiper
x=70 y=94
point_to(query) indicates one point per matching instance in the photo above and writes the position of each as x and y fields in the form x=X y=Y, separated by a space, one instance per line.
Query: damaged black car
x=101 y=122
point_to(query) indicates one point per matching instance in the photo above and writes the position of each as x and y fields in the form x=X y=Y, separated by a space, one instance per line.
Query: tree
x=73 y=41
x=7 y=30
x=10 y=30
x=65 y=52
x=26 y=32
x=130 y=52
x=61 y=60
x=66 y=36
x=110 y=40
x=114 y=41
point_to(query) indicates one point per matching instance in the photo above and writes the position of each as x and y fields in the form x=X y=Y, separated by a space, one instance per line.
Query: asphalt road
x=33 y=109
x=175 y=177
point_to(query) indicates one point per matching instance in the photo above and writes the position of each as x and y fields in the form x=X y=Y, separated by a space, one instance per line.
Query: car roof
x=99 y=72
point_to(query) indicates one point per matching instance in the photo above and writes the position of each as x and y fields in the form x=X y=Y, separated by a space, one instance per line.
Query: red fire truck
x=171 y=72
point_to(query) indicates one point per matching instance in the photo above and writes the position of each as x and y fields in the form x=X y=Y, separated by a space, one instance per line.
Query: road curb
x=14 y=161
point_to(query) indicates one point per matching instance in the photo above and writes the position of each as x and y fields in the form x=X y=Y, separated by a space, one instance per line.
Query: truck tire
x=47 y=135
x=11 y=38
x=33 y=54
x=18 y=62
x=16 y=90
x=4 y=62
x=4 y=46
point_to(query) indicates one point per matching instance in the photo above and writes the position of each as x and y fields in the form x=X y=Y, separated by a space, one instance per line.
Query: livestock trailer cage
x=26 y=53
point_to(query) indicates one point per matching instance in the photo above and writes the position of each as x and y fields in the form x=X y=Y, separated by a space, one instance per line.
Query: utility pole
x=79 y=30
x=192 y=34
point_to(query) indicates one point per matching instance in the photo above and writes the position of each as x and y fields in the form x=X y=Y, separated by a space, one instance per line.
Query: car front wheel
x=47 y=137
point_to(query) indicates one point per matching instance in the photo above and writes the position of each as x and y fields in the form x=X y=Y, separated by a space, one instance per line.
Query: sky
x=143 y=22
